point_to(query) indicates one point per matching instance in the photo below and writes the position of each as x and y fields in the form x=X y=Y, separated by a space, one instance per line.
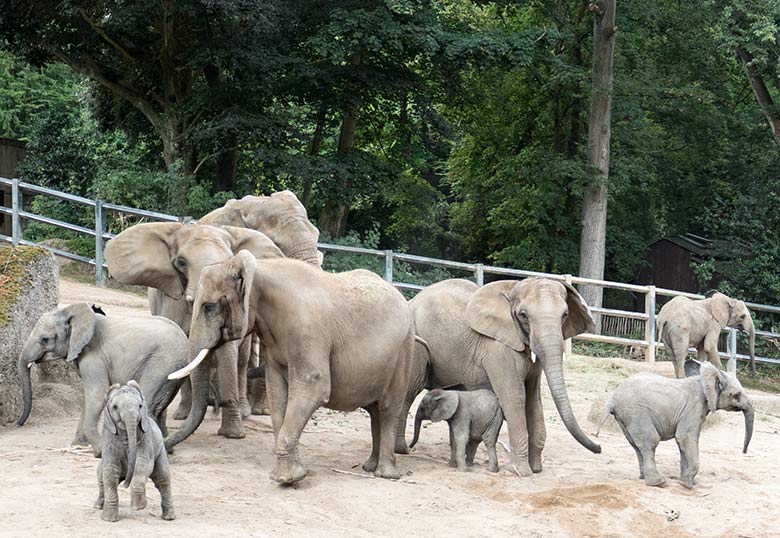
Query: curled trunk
x=552 y=362
x=28 y=356
x=418 y=418
x=749 y=415
x=752 y=349
x=131 y=425
x=199 y=379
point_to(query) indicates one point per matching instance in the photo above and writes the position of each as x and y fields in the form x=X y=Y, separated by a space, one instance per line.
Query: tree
x=187 y=66
x=594 y=201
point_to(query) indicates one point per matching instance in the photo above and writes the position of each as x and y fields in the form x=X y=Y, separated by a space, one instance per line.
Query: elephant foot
x=452 y=463
x=371 y=464
x=688 y=482
x=98 y=503
x=260 y=410
x=79 y=440
x=387 y=470
x=493 y=467
x=97 y=452
x=245 y=408
x=110 y=514
x=287 y=470
x=168 y=515
x=181 y=412
x=535 y=464
x=521 y=469
x=655 y=481
x=138 y=501
x=401 y=447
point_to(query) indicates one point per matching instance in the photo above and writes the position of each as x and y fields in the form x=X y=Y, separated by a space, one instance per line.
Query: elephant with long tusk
x=684 y=322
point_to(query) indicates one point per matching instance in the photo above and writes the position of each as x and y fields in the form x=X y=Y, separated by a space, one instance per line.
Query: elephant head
x=280 y=216
x=724 y=391
x=126 y=414
x=437 y=405
x=735 y=314
x=59 y=334
x=169 y=256
x=535 y=316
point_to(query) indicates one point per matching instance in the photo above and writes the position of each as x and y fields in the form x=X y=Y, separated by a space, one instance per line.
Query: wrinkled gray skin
x=684 y=322
x=283 y=218
x=337 y=340
x=473 y=416
x=651 y=408
x=106 y=350
x=170 y=256
x=133 y=450
x=484 y=338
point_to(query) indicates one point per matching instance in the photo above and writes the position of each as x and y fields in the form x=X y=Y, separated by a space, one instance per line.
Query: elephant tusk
x=533 y=357
x=184 y=372
x=30 y=365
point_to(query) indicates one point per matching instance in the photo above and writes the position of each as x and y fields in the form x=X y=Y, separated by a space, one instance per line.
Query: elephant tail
x=610 y=409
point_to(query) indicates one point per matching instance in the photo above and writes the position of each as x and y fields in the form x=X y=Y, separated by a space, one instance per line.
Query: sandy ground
x=221 y=486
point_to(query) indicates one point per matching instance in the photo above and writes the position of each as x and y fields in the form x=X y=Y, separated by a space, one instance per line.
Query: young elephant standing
x=133 y=450
x=473 y=416
x=683 y=322
x=651 y=408
x=339 y=340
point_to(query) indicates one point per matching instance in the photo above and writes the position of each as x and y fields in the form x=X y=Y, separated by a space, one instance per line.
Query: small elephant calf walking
x=133 y=450
x=651 y=408
x=473 y=417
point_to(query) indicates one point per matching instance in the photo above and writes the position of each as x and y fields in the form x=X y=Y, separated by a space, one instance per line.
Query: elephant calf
x=650 y=408
x=472 y=416
x=133 y=450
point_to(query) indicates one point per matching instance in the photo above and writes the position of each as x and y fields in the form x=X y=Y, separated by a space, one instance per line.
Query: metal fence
x=637 y=329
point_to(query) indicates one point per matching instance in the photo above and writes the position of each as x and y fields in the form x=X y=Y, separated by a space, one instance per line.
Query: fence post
x=567 y=342
x=16 y=207
x=389 y=266
x=731 y=367
x=650 y=324
x=100 y=227
x=479 y=274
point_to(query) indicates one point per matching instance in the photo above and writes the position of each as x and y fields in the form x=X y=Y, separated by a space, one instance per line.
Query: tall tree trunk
x=764 y=99
x=314 y=149
x=178 y=155
x=227 y=165
x=333 y=218
x=594 y=202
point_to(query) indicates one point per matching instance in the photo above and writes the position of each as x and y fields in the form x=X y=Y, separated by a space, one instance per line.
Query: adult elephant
x=170 y=256
x=283 y=218
x=502 y=335
x=684 y=322
x=340 y=340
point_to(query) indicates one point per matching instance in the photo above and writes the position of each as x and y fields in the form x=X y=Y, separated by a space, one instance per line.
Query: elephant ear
x=489 y=313
x=141 y=255
x=446 y=403
x=144 y=414
x=579 y=320
x=81 y=320
x=720 y=307
x=256 y=243
x=227 y=215
x=242 y=268
x=108 y=420
x=712 y=382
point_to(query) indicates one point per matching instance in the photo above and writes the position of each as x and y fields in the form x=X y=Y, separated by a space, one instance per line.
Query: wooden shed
x=12 y=153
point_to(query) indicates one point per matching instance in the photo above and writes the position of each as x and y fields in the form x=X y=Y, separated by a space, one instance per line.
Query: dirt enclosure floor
x=221 y=486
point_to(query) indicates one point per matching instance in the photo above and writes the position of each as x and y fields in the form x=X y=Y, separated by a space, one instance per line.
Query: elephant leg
x=185 y=402
x=227 y=370
x=277 y=391
x=490 y=445
x=534 y=414
x=161 y=477
x=388 y=427
x=259 y=396
x=461 y=439
x=510 y=390
x=101 y=492
x=93 y=406
x=373 y=460
x=679 y=349
x=111 y=497
x=143 y=468
x=471 y=451
x=160 y=419
x=415 y=387
x=641 y=435
x=453 y=459
x=305 y=396
x=689 y=458
x=244 y=356
x=80 y=439
x=711 y=348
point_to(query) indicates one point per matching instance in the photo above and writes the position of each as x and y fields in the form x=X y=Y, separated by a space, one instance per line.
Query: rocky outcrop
x=28 y=287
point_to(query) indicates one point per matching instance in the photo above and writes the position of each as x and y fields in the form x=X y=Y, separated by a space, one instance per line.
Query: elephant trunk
x=131 y=425
x=199 y=379
x=418 y=418
x=749 y=415
x=551 y=355
x=752 y=349
x=29 y=355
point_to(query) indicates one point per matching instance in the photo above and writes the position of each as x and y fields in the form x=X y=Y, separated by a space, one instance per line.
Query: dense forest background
x=449 y=128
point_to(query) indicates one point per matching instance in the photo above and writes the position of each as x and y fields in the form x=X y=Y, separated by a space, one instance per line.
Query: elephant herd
x=248 y=277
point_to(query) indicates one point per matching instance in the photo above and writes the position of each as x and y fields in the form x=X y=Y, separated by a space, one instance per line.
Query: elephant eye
x=565 y=315
x=209 y=308
x=522 y=315
x=114 y=406
x=181 y=262
x=45 y=340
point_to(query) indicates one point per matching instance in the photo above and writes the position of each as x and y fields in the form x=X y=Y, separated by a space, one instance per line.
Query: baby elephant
x=650 y=408
x=473 y=416
x=133 y=450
